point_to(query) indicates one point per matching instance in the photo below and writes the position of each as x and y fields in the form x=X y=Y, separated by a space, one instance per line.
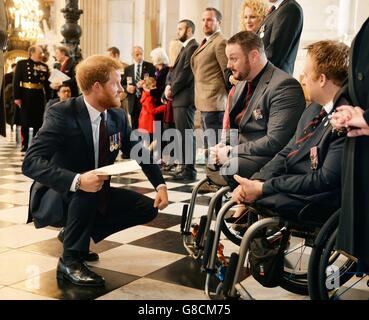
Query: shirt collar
x=277 y=4
x=136 y=64
x=212 y=35
x=328 y=107
x=187 y=42
x=94 y=113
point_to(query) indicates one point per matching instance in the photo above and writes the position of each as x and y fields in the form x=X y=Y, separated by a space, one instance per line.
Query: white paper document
x=120 y=168
x=56 y=76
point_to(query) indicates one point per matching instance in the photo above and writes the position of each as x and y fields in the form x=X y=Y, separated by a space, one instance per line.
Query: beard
x=183 y=37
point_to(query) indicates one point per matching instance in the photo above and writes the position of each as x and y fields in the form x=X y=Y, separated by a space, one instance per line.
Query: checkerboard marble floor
x=142 y=263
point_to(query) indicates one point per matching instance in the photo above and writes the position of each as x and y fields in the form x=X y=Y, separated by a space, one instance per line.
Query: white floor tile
x=173 y=196
x=15 y=294
x=176 y=209
x=148 y=289
x=19 y=177
x=22 y=186
x=17 y=266
x=22 y=235
x=21 y=198
x=16 y=215
x=133 y=234
x=136 y=260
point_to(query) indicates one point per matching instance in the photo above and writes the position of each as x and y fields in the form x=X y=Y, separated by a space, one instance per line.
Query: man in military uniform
x=31 y=91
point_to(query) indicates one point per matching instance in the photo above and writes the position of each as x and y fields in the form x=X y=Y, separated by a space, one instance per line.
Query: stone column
x=71 y=31
x=94 y=23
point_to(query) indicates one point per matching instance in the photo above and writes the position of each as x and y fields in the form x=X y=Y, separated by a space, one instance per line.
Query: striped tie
x=138 y=73
x=308 y=132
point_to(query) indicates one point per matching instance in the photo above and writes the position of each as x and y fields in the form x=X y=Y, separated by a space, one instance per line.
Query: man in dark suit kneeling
x=78 y=136
x=308 y=169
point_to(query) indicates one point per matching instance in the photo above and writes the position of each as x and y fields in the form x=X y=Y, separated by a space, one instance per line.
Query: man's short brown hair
x=95 y=69
x=64 y=50
x=331 y=58
x=248 y=41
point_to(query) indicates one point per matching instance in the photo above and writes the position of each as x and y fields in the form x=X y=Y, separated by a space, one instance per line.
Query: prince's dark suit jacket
x=281 y=32
x=292 y=182
x=64 y=147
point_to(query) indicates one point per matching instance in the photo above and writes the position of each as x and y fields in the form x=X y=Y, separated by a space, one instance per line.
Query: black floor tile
x=185 y=272
x=164 y=221
x=53 y=247
x=184 y=188
x=201 y=200
x=49 y=286
x=165 y=240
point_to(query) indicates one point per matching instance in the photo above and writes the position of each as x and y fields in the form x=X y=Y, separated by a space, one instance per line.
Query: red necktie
x=247 y=101
x=203 y=43
x=308 y=131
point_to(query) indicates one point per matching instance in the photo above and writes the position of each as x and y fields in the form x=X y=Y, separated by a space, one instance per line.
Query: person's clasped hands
x=351 y=120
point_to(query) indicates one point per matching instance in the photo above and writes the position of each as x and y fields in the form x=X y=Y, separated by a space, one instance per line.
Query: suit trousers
x=125 y=209
x=184 y=118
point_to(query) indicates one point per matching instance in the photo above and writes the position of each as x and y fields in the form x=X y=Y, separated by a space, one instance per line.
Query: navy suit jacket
x=182 y=79
x=64 y=147
x=294 y=177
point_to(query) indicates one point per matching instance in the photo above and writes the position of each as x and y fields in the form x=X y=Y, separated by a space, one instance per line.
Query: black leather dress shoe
x=78 y=273
x=88 y=256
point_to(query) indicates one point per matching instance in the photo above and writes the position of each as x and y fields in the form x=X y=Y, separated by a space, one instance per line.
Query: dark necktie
x=137 y=79
x=103 y=143
x=308 y=131
x=203 y=43
x=138 y=73
x=103 y=161
x=249 y=93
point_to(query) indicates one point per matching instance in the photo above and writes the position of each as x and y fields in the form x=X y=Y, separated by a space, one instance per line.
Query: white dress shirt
x=95 y=124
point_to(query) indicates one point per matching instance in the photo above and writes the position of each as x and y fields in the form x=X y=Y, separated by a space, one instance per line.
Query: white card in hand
x=119 y=168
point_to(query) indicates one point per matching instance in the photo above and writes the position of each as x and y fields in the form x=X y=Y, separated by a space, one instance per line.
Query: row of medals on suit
x=115 y=141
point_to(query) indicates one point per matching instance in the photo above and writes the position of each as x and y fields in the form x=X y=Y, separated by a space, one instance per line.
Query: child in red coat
x=149 y=110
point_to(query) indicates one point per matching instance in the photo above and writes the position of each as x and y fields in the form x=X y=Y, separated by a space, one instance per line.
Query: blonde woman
x=252 y=14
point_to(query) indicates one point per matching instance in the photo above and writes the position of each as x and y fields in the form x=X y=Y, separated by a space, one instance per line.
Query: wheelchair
x=195 y=234
x=332 y=274
x=301 y=229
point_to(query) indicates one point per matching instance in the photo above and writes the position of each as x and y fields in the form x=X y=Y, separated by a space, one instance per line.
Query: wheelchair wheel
x=335 y=269
x=295 y=267
x=320 y=243
x=234 y=232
